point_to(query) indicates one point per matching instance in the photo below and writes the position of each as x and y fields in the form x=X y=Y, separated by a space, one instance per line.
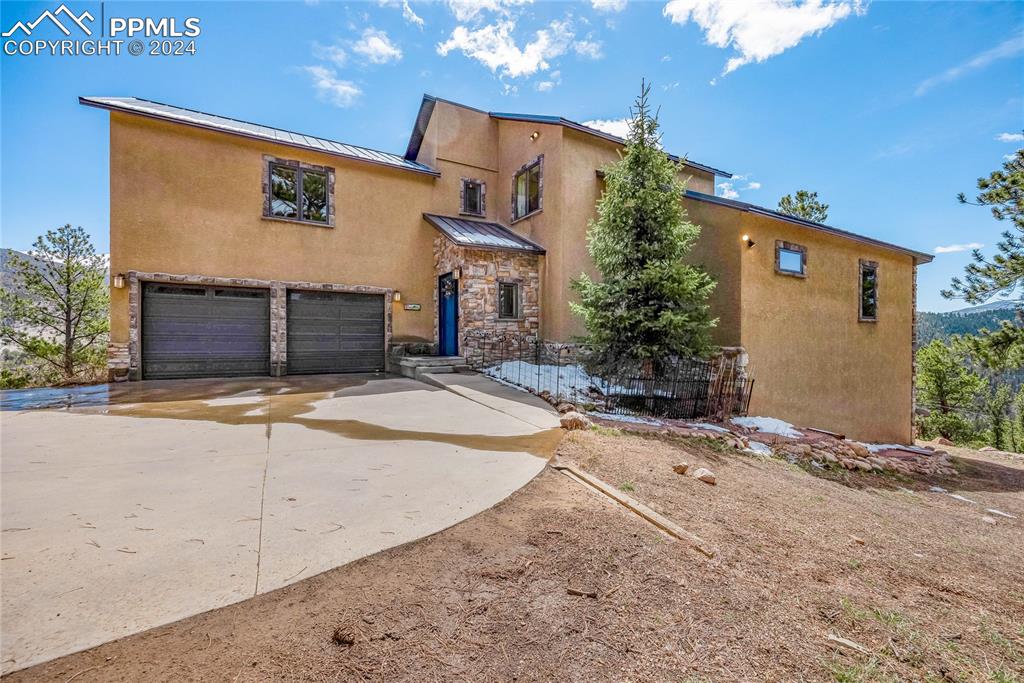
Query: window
x=868 y=291
x=790 y=259
x=298 y=192
x=473 y=197
x=508 y=300
x=527 y=189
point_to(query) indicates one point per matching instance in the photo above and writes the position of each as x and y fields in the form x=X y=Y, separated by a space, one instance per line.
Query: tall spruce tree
x=805 y=205
x=649 y=305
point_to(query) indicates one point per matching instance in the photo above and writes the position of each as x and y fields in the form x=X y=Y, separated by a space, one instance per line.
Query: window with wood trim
x=528 y=189
x=790 y=259
x=472 y=197
x=868 y=291
x=298 y=192
x=508 y=301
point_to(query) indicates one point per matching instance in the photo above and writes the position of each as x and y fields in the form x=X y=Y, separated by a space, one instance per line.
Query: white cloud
x=670 y=86
x=1008 y=48
x=376 y=47
x=759 y=30
x=956 y=248
x=1010 y=137
x=726 y=190
x=666 y=58
x=494 y=47
x=588 y=48
x=753 y=185
x=407 y=12
x=617 y=127
x=330 y=53
x=554 y=79
x=608 y=5
x=329 y=87
x=472 y=10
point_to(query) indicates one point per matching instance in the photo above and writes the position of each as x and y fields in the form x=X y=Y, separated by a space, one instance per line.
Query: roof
x=919 y=256
x=481 y=234
x=427 y=109
x=198 y=119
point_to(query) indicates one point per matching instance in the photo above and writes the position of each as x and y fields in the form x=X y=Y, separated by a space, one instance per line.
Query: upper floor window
x=473 y=197
x=297 y=191
x=508 y=300
x=528 y=189
x=790 y=259
x=868 y=291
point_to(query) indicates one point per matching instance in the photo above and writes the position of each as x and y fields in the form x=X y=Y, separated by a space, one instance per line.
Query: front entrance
x=448 y=315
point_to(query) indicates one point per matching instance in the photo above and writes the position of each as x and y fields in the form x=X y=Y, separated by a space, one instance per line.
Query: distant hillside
x=1000 y=305
x=966 y=321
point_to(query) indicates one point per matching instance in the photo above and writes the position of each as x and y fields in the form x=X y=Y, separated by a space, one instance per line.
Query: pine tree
x=946 y=386
x=649 y=305
x=57 y=310
x=805 y=205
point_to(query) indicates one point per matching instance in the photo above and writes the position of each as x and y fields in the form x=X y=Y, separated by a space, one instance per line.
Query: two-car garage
x=210 y=331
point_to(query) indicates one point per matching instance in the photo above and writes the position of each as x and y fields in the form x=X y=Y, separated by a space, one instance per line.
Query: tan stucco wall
x=718 y=251
x=815 y=364
x=189 y=201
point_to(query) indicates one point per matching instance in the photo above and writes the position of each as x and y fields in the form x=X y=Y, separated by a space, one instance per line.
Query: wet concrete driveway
x=129 y=506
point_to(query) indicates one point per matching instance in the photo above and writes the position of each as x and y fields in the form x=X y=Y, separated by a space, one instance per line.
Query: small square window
x=790 y=259
x=473 y=197
x=868 y=291
x=508 y=300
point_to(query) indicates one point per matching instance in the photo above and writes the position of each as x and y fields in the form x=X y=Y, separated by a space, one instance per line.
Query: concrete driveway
x=125 y=507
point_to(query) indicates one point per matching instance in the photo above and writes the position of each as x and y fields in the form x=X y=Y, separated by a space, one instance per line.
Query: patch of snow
x=937 y=489
x=767 y=425
x=959 y=497
x=709 y=427
x=1001 y=513
x=626 y=418
x=570 y=382
x=758 y=448
x=879 y=447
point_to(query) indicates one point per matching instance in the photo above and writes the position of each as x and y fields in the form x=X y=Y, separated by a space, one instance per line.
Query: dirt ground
x=928 y=588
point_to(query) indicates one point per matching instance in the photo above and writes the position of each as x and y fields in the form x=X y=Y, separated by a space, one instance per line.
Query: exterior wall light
x=397 y=296
x=119 y=281
x=750 y=242
x=456 y=273
x=534 y=135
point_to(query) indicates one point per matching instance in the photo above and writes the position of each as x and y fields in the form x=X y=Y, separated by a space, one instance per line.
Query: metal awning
x=478 y=234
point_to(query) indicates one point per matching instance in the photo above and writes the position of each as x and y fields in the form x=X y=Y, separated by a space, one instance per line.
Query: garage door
x=190 y=331
x=335 y=332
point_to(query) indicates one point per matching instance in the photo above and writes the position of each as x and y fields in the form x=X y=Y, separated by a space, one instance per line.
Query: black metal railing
x=681 y=388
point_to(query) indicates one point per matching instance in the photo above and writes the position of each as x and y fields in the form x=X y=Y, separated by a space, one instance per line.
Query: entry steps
x=416 y=366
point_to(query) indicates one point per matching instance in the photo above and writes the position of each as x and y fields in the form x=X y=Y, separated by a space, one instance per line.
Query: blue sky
x=887 y=109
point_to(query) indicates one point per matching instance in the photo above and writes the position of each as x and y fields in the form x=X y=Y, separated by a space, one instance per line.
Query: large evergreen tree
x=1003 y=192
x=947 y=387
x=649 y=305
x=57 y=310
x=804 y=205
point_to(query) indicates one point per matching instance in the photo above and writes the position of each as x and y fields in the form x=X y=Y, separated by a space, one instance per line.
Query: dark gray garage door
x=190 y=331
x=335 y=332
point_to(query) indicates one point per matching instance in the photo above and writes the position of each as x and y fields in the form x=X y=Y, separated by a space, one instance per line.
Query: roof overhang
x=220 y=124
x=919 y=256
x=480 y=234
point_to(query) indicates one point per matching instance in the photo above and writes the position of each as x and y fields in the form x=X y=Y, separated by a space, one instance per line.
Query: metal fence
x=682 y=388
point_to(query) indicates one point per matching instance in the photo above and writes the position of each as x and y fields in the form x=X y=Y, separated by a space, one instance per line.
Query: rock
x=680 y=468
x=857 y=539
x=573 y=420
x=705 y=475
x=858 y=449
x=943 y=441
x=564 y=408
x=830 y=457
x=863 y=465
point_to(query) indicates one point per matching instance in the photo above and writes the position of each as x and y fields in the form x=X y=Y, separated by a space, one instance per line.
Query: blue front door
x=448 y=315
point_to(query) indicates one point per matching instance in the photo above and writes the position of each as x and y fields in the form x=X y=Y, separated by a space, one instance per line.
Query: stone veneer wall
x=481 y=271
x=124 y=361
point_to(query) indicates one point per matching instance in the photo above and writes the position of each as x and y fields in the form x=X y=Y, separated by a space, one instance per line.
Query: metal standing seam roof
x=427 y=109
x=190 y=117
x=919 y=256
x=481 y=234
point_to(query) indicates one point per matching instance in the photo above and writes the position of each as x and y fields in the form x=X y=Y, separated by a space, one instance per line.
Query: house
x=239 y=249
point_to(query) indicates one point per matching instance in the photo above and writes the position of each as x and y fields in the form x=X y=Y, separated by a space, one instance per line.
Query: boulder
x=573 y=420
x=943 y=441
x=705 y=475
x=863 y=465
x=681 y=467
x=858 y=449
x=564 y=408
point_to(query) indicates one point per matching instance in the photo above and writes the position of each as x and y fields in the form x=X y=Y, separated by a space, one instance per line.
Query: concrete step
x=430 y=361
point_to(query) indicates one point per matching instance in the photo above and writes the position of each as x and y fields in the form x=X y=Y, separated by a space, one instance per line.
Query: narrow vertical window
x=868 y=291
x=473 y=197
x=284 y=195
x=528 y=189
x=508 y=300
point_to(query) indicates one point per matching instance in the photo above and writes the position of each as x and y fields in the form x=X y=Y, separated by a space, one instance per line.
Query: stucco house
x=239 y=249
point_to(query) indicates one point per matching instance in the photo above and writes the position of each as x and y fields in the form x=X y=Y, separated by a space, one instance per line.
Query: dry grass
x=933 y=592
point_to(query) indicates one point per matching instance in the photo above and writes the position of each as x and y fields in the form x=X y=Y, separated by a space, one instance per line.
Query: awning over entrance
x=481 y=234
